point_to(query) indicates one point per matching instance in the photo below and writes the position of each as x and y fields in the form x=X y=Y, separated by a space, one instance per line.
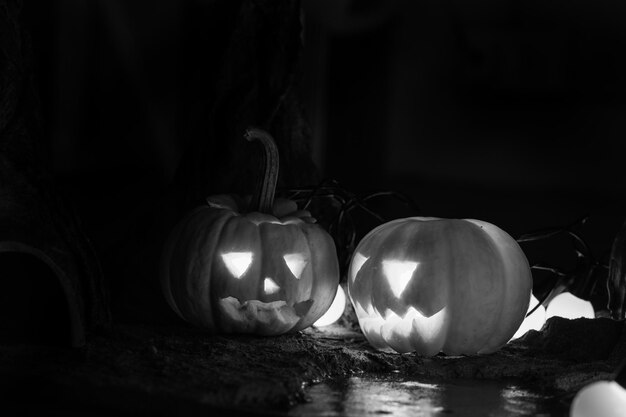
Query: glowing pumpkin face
x=268 y=271
x=430 y=285
x=253 y=273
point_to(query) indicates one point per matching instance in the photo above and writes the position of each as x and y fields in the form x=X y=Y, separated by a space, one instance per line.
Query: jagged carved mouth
x=411 y=331
x=258 y=317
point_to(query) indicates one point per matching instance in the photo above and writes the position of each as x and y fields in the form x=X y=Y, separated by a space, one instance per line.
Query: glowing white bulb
x=599 y=399
x=334 y=311
x=269 y=286
x=399 y=274
x=569 y=306
x=237 y=262
x=533 y=322
x=296 y=263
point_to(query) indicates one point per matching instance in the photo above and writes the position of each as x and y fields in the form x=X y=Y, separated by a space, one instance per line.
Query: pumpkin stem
x=263 y=198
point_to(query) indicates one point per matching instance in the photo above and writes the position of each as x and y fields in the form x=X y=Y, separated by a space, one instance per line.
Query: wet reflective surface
x=398 y=397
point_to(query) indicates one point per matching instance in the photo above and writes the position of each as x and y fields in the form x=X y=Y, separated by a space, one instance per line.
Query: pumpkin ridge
x=406 y=251
x=167 y=266
x=445 y=290
x=218 y=288
x=215 y=311
x=302 y=323
x=179 y=259
x=496 y=269
x=491 y=343
x=265 y=247
x=199 y=242
x=206 y=242
x=447 y=326
x=317 y=289
x=378 y=297
x=361 y=294
x=494 y=233
x=303 y=232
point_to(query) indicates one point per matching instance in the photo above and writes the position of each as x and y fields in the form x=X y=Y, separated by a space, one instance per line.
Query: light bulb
x=335 y=310
x=599 y=399
x=568 y=306
x=533 y=322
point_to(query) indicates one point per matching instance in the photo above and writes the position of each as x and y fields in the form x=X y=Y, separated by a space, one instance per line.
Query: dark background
x=507 y=111
x=510 y=112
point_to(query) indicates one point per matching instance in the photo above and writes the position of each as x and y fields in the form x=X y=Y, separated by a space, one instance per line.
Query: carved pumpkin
x=430 y=285
x=268 y=271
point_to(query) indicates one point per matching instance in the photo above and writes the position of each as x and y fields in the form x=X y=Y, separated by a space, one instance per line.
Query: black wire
x=341 y=226
x=580 y=278
x=343 y=229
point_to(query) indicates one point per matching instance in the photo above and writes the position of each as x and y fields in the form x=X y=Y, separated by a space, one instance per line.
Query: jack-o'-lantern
x=434 y=285
x=267 y=271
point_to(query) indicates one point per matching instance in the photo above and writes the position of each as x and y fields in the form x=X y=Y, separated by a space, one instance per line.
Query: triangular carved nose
x=270 y=286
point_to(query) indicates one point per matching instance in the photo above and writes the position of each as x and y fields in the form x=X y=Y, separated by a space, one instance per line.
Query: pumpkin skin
x=249 y=273
x=434 y=285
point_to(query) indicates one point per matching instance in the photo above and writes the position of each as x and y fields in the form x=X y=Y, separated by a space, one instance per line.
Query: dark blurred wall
x=512 y=112
x=512 y=94
x=135 y=92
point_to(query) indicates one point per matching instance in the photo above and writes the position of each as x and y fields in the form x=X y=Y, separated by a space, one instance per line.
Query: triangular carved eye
x=270 y=286
x=398 y=274
x=237 y=262
x=296 y=263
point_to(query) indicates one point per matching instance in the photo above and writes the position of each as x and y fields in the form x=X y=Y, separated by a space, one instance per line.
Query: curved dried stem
x=263 y=198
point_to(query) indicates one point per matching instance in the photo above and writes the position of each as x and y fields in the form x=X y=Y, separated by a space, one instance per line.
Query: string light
x=599 y=399
x=533 y=322
x=568 y=306
x=334 y=311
